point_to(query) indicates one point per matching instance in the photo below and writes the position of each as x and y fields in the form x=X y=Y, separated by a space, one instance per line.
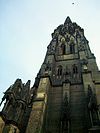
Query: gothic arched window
x=72 y=48
x=75 y=69
x=63 y=47
x=59 y=70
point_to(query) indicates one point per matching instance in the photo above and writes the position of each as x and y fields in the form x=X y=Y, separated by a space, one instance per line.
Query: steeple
x=65 y=97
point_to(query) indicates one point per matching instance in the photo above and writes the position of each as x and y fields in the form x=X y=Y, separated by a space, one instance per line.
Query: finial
x=28 y=83
x=68 y=20
x=18 y=81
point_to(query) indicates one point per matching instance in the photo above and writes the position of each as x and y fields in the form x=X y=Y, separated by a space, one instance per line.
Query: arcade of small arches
x=64 y=49
x=60 y=70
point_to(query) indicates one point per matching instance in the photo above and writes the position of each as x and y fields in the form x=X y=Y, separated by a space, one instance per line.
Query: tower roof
x=68 y=20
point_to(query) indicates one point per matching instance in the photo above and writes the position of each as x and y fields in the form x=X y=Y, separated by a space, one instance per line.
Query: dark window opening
x=59 y=72
x=63 y=46
x=72 y=49
x=75 y=70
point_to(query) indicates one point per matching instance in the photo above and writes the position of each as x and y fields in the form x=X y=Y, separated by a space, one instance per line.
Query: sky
x=25 y=33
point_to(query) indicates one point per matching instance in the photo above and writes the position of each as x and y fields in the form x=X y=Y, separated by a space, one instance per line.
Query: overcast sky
x=25 y=32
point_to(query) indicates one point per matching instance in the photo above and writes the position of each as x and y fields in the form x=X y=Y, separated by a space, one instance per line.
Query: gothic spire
x=68 y=20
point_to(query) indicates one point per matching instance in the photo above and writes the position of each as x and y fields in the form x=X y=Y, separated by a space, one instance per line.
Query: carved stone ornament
x=81 y=47
x=63 y=39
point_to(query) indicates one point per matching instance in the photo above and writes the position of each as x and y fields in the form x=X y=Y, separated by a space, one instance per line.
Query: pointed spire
x=18 y=81
x=27 y=85
x=26 y=91
x=68 y=20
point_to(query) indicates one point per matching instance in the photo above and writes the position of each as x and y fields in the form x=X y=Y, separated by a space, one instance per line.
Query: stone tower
x=65 y=97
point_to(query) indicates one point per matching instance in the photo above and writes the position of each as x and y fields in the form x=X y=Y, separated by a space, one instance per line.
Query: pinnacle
x=68 y=20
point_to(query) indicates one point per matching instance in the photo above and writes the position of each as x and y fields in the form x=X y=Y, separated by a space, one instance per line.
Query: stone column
x=38 y=109
x=66 y=89
x=87 y=80
x=65 y=123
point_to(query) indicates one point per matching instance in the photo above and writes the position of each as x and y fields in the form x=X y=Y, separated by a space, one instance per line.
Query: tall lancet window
x=59 y=70
x=72 y=48
x=63 y=48
x=75 y=69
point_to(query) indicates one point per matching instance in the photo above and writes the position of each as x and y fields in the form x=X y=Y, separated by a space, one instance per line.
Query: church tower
x=65 y=97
